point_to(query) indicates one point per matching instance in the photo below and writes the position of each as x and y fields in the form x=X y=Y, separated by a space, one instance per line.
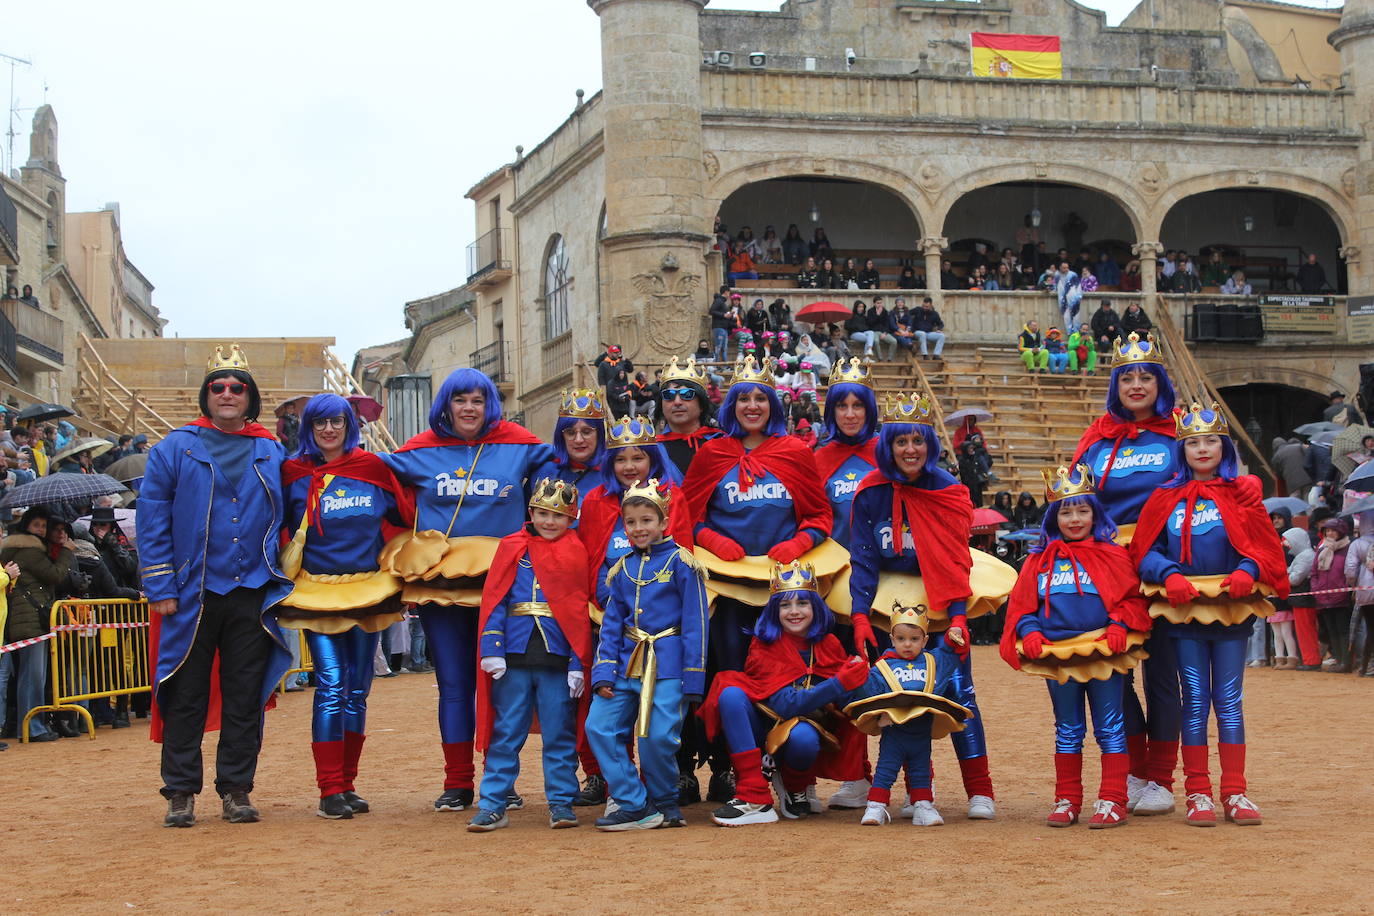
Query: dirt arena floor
x=80 y=830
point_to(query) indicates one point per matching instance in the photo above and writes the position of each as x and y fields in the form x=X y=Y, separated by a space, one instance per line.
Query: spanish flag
x=1016 y=56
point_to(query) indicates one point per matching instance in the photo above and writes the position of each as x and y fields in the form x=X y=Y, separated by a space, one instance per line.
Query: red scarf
x=601 y=512
x=358 y=464
x=1243 y=517
x=694 y=439
x=785 y=457
x=941 y=522
x=502 y=432
x=249 y=429
x=558 y=566
x=1107 y=565
x=1119 y=431
x=832 y=456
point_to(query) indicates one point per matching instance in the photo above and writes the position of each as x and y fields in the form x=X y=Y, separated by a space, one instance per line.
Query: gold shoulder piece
x=610 y=574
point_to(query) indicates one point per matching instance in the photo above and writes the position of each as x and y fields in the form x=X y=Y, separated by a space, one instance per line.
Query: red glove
x=720 y=545
x=961 y=644
x=1033 y=644
x=1116 y=637
x=1240 y=583
x=1179 y=589
x=791 y=549
x=852 y=673
x=863 y=632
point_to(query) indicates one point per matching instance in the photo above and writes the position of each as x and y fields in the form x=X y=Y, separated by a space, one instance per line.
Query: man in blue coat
x=210 y=511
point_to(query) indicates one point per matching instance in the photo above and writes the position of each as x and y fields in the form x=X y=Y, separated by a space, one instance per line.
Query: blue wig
x=1227 y=470
x=777 y=417
x=560 y=447
x=1104 y=529
x=769 y=627
x=464 y=381
x=1164 y=403
x=890 y=431
x=834 y=396
x=660 y=468
x=318 y=407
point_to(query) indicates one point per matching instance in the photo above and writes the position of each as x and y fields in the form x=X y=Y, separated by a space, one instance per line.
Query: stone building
x=1239 y=127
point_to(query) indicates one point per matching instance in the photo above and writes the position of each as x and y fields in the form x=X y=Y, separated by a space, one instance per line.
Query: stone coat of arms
x=671 y=317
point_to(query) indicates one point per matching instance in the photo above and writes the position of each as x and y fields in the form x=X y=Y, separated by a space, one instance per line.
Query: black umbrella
x=56 y=488
x=39 y=413
x=128 y=468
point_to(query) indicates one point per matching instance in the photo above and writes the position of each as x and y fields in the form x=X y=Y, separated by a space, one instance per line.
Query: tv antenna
x=10 y=133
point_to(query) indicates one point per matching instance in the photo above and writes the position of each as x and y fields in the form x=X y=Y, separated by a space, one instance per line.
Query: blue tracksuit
x=656 y=604
x=1143 y=465
x=908 y=744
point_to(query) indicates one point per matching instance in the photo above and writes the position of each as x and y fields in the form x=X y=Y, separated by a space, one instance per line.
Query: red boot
x=1137 y=746
x=1068 y=790
x=1160 y=762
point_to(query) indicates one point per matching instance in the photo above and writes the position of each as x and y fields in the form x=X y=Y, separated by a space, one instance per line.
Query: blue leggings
x=451 y=638
x=745 y=729
x=1161 y=689
x=897 y=748
x=1070 y=726
x=971 y=742
x=1212 y=672
x=343 y=679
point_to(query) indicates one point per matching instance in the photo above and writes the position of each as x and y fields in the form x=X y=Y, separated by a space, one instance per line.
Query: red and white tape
x=25 y=643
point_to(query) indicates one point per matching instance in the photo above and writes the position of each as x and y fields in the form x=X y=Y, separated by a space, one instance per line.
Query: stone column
x=1148 y=253
x=657 y=227
x=934 y=248
x=1355 y=42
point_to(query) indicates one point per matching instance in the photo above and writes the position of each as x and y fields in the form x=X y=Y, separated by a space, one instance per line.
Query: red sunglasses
x=234 y=387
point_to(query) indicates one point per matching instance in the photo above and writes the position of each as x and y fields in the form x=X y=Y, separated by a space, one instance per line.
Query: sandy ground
x=80 y=830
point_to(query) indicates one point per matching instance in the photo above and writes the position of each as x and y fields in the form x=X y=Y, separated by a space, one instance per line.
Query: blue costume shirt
x=911 y=674
x=1071 y=613
x=493 y=494
x=351 y=513
x=1142 y=465
x=757 y=518
x=840 y=490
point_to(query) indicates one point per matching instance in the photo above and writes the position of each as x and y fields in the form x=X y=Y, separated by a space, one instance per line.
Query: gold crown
x=1061 y=484
x=907 y=408
x=648 y=490
x=630 y=432
x=689 y=373
x=235 y=360
x=856 y=373
x=581 y=404
x=555 y=495
x=1134 y=350
x=911 y=616
x=1197 y=422
x=790 y=577
x=754 y=372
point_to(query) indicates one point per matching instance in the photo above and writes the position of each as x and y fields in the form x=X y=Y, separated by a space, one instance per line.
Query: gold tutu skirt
x=336 y=604
x=440 y=570
x=747 y=580
x=1085 y=658
x=1212 y=604
x=990 y=582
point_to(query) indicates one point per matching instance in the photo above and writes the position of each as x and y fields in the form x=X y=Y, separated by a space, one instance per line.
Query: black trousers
x=230 y=624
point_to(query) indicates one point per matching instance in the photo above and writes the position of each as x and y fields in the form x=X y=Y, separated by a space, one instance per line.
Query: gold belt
x=644 y=665
x=531 y=609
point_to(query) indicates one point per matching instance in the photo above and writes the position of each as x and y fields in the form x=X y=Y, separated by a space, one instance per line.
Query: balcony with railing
x=558 y=357
x=9 y=358
x=38 y=336
x=9 y=230
x=494 y=359
x=489 y=258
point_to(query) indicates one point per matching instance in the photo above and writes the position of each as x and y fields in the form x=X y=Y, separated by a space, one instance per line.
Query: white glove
x=577 y=684
x=494 y=665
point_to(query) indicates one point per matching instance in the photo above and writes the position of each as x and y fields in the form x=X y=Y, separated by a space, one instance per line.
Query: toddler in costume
x=535 y=643
x=650 y=663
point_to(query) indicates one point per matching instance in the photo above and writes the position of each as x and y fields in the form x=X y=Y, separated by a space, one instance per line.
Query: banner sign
x=1016 y=56
x=1359 y=319
x=1305 y=314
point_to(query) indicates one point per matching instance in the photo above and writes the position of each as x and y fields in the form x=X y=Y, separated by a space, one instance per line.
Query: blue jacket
x=493 y=495
x=911 y=674
x=504 y=635
x=182 y=488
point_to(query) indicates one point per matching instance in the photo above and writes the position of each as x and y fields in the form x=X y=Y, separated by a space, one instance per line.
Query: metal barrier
x=99 y=649
x=307 y=663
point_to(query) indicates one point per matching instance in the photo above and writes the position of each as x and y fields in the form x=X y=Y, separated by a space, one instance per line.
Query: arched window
x=557 y=282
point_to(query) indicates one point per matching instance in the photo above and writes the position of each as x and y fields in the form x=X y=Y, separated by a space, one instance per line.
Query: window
x=556 y=288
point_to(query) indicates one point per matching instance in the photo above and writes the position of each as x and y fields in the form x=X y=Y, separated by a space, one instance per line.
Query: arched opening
x=1264 y=233
x=861 y=221
x=1031 y=224
x=557 y=283
x=1269 y=411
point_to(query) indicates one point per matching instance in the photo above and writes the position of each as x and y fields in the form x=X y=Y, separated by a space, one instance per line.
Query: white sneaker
x=814 y=800
x=739 y=813
x=925 y=815
x=1134 y=786
x=981 y=808
x=612 y=806
x=875 y=815
x=852 y=794
x=1154 y=799
x=909 y=808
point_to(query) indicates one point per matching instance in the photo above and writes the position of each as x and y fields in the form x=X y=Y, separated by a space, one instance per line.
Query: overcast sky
x=298 y=169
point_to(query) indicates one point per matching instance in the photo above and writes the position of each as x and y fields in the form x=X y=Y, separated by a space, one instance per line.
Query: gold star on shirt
x=461 y=472
x=340 y=493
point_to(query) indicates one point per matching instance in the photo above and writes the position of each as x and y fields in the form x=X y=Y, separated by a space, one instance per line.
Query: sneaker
x=237 y=808
x=562 y=817
x=622 y=819
x=792 y=805
x=1241 y=811
x=739 y=813
x=1107 y=814
x=875 y=815
x=487 y=821
x=1201 y=811
x=1063 y=814
x=908 y=809
x=925 y=815
x=672 y=816
x=981 y=808
x=688 y=790
x=852 y=794
x=814 y=800
x=721 y=788
x=514 y=802
x=1134 y=787
x=1154 y=799
x=612 y=806
x=181 y=810
x=335 y=807
x=593 y=791
x=356 y=802
x=454 y=800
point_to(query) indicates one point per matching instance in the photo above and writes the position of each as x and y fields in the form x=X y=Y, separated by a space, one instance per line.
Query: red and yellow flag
x=1016 y=56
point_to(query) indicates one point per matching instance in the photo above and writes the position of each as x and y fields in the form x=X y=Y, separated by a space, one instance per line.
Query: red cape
x=1118 y=431
x=772 y=666
x=832 y=455
x=601 y=511
x=1107 y=565
x=249 y=429
x=695 y=438
x=1243 y=517
x=502 y=432
x=558 y=565
x=941 y=522
x=358 y=464
x=785 y=457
